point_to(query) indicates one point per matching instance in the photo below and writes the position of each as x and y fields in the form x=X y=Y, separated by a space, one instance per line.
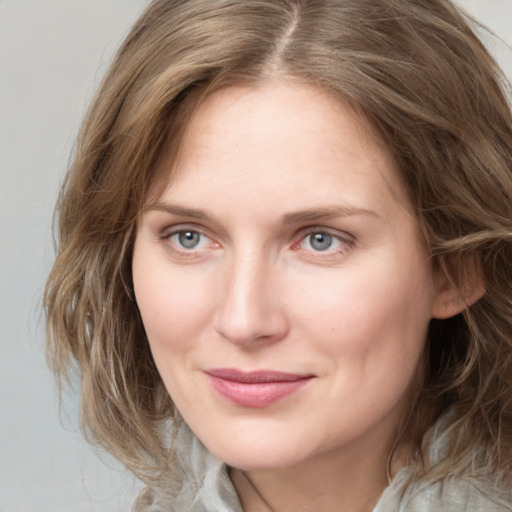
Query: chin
x=256 y=448
x=254 y=458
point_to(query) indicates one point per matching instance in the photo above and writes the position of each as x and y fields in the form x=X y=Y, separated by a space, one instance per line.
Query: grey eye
x=189 y=239
x=320 y=241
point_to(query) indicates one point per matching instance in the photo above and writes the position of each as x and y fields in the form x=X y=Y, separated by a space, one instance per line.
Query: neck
x=323 y=484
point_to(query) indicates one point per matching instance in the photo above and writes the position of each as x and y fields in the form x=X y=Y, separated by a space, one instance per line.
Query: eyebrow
x=181 y=210
x=308 y=215
x=326 y=213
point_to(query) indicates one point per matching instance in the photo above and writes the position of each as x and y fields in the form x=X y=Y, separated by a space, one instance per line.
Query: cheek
x=371 y=324
x=364 y=301
x=172 y=310
x=171 y=304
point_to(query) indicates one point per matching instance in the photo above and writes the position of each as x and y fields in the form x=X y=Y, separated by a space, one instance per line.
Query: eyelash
x=344 y=243
x=174 y=246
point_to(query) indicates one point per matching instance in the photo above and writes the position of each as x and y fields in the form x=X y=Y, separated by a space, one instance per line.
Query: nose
x=250 y=311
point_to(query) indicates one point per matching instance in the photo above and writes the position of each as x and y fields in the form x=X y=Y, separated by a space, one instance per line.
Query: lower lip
x=260 y=394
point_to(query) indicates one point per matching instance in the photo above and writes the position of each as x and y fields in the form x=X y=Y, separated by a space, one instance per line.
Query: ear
x=454 y=295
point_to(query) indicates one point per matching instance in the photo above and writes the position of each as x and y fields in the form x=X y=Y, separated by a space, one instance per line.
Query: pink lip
x=255 y=389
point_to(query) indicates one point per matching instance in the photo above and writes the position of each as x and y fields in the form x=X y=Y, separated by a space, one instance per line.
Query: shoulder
x=409 y=491
x=198 y=481
x=453 y=494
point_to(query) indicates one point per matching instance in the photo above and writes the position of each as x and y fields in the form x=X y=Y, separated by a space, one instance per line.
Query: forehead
x=279 y=134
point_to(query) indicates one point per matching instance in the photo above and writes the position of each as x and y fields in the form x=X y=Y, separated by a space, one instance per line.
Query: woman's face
x=282 y=280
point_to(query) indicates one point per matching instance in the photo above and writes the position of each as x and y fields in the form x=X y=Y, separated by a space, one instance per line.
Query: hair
x=418 y=73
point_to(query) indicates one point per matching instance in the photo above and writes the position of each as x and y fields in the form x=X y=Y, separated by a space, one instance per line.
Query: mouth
x=255 y=389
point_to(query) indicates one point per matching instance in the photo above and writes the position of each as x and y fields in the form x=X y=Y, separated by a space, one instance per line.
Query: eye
x=320 y=241
x=323 y=241
x=187 y=240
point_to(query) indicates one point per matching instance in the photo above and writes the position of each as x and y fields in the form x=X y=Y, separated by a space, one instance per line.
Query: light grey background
x=52 y=54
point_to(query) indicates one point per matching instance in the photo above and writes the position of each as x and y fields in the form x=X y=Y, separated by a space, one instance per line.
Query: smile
x=255 y=389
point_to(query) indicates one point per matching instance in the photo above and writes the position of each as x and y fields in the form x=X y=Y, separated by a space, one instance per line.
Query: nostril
x=249 y=310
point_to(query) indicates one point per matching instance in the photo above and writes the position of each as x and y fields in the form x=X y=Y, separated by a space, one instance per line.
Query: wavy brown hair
x=413 y=68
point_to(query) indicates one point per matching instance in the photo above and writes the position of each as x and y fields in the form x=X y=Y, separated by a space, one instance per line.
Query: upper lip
x=255 y=377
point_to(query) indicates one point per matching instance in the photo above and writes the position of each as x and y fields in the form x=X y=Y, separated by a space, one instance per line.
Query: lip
x=255 y=389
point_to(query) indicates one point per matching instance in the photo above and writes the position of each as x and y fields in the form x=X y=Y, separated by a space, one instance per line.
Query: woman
x=284 y=259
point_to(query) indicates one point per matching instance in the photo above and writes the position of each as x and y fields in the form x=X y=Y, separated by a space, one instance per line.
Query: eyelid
x=168 y=232
x=168 y=219
x=343 y=237
x=346 y=239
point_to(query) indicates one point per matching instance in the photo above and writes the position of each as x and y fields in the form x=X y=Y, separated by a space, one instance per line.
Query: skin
x=260 y=170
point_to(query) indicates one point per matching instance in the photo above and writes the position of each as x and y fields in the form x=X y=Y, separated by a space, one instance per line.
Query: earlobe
x=453 y=298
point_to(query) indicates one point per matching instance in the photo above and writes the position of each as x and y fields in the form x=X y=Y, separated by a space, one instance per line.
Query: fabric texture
x=206 y=486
